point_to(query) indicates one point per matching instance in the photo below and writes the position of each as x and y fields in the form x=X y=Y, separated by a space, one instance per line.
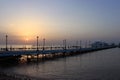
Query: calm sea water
x=100 y=65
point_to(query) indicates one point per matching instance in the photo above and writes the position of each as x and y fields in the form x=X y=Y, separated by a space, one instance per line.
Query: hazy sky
x=60 y=19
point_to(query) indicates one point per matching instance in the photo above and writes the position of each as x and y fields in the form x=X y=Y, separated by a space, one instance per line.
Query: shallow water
x=100 y=65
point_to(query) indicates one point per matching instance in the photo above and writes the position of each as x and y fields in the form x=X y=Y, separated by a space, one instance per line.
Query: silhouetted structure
x=86 y=44
x=99 y=44
x=64 y=44
x=80 y=43
x=6 y=42
x=37 y=43
x=44 y=44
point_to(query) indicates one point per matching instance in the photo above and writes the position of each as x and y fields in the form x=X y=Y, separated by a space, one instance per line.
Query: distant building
x=99 y=44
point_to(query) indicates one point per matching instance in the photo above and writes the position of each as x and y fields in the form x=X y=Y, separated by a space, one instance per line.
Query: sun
x=27 y=39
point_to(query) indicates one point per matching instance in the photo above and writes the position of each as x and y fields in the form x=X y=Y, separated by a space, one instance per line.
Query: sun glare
x=27 y=39
x=31 y=27
x=25 y=26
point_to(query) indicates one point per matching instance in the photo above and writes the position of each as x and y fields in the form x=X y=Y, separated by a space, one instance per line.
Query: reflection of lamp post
x=6 y=43
x=37 y=43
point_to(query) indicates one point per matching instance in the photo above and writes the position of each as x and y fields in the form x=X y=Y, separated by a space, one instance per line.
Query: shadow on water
x=13 y=63
x=6 y=64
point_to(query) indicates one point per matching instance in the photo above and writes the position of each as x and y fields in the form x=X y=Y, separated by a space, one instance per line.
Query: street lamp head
x=37 y=36
x=6 y=35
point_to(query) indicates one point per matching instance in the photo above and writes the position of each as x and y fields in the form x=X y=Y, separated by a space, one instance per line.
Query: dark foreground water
x=100 y=65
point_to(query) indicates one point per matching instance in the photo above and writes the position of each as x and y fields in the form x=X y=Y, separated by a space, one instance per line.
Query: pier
x=42 y=54
x=49 y=52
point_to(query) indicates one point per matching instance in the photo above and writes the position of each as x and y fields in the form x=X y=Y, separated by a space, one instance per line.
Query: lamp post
x=86 y=44
x=64 y=44
x=80 y=44
x=44 y=44
x=76 y=44
x=37 y=43
x=6 y=42
x=26 y=43
x=89 y=43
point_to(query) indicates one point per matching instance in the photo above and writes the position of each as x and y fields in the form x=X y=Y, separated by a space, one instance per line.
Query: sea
x=99 y=65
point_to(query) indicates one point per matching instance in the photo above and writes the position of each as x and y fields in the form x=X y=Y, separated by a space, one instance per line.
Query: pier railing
x=19 y=52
